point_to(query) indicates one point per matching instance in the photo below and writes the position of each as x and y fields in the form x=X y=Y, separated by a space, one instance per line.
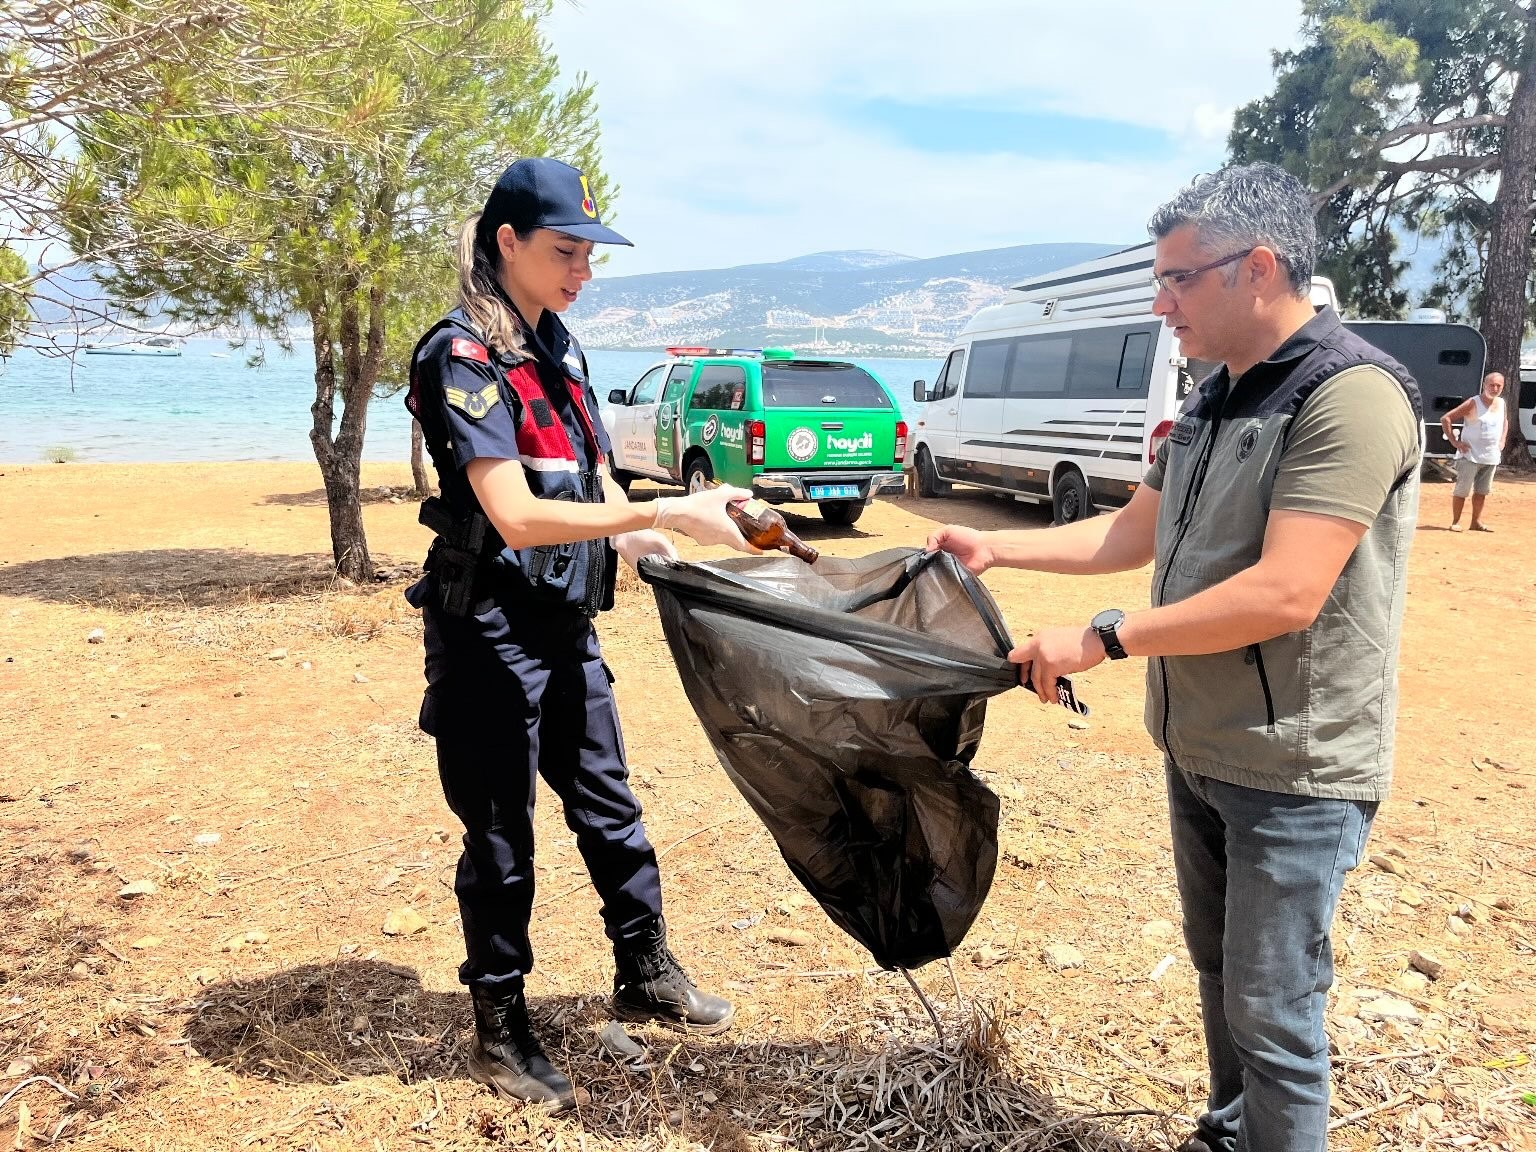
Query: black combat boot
x=651 y=985
x=508 y=1058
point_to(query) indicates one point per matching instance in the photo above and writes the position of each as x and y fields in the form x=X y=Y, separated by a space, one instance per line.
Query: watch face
x=1109 y=618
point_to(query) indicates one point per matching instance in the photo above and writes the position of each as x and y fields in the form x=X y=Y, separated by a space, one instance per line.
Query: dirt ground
x=238 y=745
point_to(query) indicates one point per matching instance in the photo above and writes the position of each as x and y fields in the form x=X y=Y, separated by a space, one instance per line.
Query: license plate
x=832 y=491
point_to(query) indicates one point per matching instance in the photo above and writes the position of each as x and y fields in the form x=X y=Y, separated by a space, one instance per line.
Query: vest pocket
x=549 y=566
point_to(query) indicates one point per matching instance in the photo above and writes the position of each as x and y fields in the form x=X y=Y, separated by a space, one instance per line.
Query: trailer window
x=1096 y=356
x=1110 y=363
x=1039 y=366
x=989 y=365
x=1133 y=363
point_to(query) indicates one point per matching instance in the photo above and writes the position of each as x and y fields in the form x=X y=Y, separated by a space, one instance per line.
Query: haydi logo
x=851 y=443
x=736 y=435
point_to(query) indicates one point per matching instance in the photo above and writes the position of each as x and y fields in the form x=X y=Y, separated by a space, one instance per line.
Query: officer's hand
x=635 y=546
x=966 y=545
x=702 y=516
x=1055 y=652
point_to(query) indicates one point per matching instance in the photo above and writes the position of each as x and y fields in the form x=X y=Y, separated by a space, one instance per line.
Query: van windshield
x=810 y=384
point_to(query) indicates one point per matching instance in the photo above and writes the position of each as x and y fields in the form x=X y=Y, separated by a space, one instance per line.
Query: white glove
x=635 y=546
x=702 y=516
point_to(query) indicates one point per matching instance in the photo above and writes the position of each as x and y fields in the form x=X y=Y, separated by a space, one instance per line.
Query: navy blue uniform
x=519 y=687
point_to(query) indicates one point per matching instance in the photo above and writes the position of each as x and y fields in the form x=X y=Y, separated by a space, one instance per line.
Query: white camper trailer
x=1065 y=391
x=1061 y=393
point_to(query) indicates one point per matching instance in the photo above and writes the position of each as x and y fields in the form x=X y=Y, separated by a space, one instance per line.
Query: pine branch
x=1436 y=127
x=1450 y=163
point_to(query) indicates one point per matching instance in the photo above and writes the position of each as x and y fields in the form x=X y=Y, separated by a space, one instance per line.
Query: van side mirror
x=619 y=396
x=920 y=391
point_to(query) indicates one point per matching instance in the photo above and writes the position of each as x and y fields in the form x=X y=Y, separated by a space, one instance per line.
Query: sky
x=741 y=131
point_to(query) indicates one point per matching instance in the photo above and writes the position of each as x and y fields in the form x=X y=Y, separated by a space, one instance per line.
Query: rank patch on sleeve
x=472 y=404
x=469 y=350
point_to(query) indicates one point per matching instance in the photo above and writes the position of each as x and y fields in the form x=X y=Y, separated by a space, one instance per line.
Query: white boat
x=154 y=346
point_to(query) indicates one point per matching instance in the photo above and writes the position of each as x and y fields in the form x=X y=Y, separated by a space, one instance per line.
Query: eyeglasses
x=1171 y=282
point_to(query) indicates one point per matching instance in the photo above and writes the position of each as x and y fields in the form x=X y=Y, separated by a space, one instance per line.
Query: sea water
x=210 y=404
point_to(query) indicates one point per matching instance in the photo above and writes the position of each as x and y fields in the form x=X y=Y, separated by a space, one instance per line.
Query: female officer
x=529 y=521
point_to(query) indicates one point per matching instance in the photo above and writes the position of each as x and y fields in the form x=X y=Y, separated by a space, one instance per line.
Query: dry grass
x=331 y=1036
x=894 y=1090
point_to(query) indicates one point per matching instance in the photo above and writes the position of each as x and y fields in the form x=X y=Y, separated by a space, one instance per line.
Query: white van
x=1063 y=393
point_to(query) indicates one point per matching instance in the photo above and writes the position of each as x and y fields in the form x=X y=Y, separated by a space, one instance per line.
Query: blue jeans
x=1259 y=877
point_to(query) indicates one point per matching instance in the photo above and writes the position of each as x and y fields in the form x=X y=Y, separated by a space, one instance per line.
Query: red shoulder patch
x=469 y=350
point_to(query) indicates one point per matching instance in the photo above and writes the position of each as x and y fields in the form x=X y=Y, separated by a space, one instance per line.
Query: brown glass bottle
x=764 y=527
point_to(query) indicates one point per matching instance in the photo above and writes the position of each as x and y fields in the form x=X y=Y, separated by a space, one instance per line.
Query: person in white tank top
x=1479 y=447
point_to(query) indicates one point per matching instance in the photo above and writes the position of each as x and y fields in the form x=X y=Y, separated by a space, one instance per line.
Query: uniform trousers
x=515 y=692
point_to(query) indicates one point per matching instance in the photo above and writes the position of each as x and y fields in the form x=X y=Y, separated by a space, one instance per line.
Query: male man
x=1279 y=514
x=1484 y=422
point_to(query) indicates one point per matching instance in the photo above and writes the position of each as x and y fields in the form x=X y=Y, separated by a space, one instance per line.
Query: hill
x=850 y=303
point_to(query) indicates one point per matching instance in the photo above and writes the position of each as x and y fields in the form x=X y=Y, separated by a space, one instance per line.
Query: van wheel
x=1070 y=501
x=928 y=482
x=841 y=511
x=698 y=474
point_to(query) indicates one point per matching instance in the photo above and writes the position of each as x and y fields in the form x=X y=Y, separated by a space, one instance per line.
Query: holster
x=458 y=555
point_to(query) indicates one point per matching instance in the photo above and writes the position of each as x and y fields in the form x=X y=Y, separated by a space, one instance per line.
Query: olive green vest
x=1311 y=712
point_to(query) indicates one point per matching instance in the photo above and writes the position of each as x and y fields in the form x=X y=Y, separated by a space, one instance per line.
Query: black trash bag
x=845 y=702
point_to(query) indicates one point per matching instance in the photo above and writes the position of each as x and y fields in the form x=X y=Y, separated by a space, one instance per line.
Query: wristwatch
x=1106 y=624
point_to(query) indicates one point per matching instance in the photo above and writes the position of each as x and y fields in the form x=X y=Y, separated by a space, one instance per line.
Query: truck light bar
x=754 y=353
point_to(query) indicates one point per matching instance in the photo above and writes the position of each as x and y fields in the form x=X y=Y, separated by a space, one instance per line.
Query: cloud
x=741 y=132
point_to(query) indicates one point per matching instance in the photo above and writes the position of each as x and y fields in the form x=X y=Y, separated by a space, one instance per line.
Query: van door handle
x=832 y=426
x=952 y=411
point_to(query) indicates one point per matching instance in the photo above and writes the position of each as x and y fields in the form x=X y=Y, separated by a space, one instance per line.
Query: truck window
x=809 y=384
x=721 y=387
x=677 y=380
x=645 y=391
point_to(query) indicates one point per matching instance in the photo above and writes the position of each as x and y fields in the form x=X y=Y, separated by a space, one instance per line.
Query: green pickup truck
x=788 y=429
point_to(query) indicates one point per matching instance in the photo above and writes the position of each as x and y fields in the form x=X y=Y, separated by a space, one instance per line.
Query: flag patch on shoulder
x=469 y=350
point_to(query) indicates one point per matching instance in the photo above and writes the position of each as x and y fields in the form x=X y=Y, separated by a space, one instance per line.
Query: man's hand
x=1056 y=652
x=966 y=545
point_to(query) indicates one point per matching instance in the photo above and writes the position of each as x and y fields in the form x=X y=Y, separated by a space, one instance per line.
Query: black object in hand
x=1064 y=694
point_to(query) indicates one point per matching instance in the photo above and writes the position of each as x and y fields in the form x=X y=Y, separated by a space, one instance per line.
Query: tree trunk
x=419 y=475
x=340 y=455
x=349 y=543
x=1508 y=270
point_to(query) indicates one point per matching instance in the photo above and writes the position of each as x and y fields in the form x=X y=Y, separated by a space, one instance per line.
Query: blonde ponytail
x=480 y=296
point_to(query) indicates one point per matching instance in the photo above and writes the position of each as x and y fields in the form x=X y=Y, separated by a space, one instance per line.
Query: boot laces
x=668 y=968
x=512 y=1027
